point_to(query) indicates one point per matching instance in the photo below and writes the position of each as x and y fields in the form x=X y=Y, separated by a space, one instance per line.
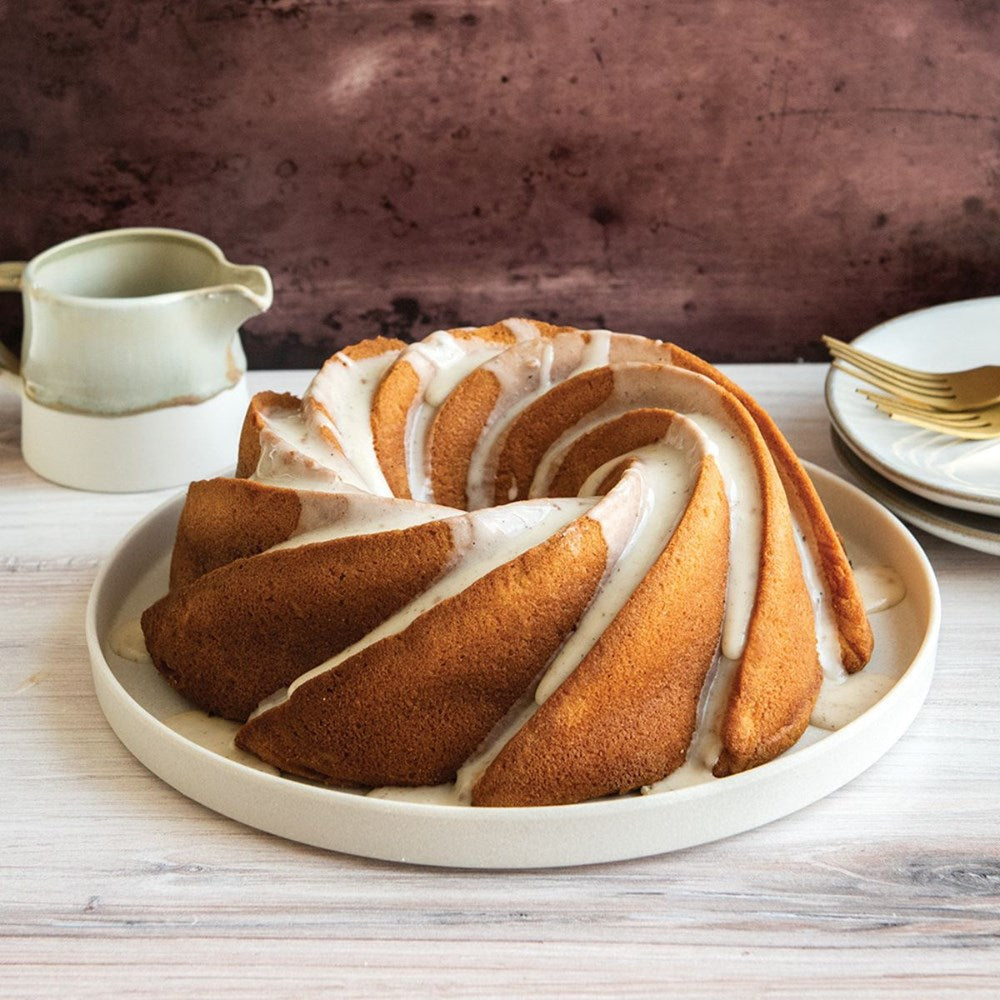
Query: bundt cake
x=527 y=559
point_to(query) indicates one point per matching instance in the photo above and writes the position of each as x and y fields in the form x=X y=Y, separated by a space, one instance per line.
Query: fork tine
x=931 y=386
x=921 y=380
x=889 y=385
x=982 y=430
x=899 y=405
x=938 y=389
x=985 y=416
x=931 y=425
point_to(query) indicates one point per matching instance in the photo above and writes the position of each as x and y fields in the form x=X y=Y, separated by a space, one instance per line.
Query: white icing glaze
x=655 y=488
x=827 y=636
x=293 y=457
x=706 y=744
x=435 y=795
x=440 y=363
x=127 y=641
x=663 y=477
x=598 y=350
x=363 y=514
x=745 y=530
x=842 y=702
x=445 y=379
x=216 y=734
x=881 y=587
x=523 y=329
x=635 y=388
x=525 y=373
x=508 y=727
x=345 y=388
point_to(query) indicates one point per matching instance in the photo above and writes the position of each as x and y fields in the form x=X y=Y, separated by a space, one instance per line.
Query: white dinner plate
x=136 y=700
x=947 y=470
x=972 y=531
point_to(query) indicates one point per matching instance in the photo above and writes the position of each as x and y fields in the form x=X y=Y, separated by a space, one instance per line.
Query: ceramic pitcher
x=131 y=368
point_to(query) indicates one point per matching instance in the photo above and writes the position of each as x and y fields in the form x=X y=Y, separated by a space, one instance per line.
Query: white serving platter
x=136 y=700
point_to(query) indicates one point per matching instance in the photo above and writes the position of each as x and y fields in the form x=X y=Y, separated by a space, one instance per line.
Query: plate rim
x=958 y=498
x=589 y=832
x=936 y=523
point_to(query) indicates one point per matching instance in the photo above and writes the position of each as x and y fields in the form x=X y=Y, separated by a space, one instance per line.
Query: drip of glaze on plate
x=215 y=734
x=127 y=641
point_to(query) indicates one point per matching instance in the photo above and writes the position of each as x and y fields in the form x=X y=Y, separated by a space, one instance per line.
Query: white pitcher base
x=151 y=450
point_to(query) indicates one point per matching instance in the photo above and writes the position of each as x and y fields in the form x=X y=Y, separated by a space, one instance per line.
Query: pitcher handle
x=10 y=281
x=10 y=275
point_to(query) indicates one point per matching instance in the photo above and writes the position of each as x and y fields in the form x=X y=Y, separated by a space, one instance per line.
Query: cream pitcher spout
x=237 y=293
x=251 y=287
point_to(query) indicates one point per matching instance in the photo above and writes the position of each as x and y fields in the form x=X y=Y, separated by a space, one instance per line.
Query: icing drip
x=718 y=438
x=656 y=487
x=215 y=734
x=363 y=514
x=597 y=353
x=127 y=641
x=344 y=390
x=745 y=530
x=523 y=329
x=827 y=638
x=293 y=457
x=470 y=772
x=525 y=373
x=707 y=740
x=664 y=480
x=881 y=587
x=440 y=362
x=839 y=704
x=435 y=795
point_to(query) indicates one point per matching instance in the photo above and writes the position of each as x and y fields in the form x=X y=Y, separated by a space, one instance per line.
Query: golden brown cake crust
x=632 y=430
x=410 y=709
x=390 y=408
x=856 y=639
x=454 y=434
x=617 y=722
x=237 y=634
x=778 y=678
x=372 y=348
x=227 y=519
x=540 y=425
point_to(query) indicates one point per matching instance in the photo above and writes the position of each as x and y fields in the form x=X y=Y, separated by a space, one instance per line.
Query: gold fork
x=971 y=389
x=976 y=425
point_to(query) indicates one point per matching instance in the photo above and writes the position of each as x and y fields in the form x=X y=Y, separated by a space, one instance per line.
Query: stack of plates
x=947 y=486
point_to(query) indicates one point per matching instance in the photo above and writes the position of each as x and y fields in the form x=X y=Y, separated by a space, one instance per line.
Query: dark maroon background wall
x=738 y=176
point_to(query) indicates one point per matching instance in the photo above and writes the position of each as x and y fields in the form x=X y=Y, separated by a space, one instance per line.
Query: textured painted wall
x=738 y=176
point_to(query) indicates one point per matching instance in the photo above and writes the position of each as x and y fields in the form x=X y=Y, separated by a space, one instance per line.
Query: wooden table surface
x=114 y=884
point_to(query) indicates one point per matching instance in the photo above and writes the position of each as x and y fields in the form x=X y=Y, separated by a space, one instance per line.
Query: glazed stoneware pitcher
x=131 y=369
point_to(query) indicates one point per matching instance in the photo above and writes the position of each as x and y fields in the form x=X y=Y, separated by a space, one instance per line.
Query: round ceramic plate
x=947 y=470
x=136 y=700
x=973 y=531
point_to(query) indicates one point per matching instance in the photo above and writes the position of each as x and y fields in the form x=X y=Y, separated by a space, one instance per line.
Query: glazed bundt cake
x=518 y=558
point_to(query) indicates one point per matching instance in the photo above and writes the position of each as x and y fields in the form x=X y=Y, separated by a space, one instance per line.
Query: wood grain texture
x=739 y=177
x=111 y=883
